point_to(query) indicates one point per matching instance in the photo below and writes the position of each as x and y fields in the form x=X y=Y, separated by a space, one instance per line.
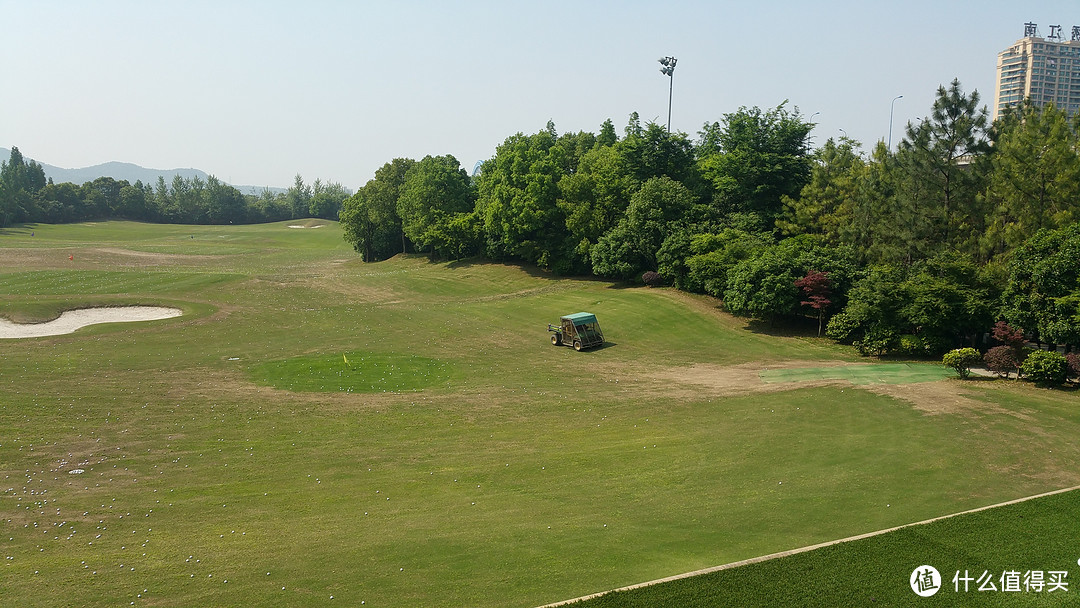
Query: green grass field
x=231 y=456
x=1033 y=536
x=881 y=373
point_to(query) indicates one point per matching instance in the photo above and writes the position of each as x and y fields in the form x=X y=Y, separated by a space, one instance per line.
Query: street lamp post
x=891 y=108
x=808 y=136
x=669 y=71
x=810 y=122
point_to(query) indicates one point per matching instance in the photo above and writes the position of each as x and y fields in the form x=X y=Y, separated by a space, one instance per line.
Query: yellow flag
x=346 y=358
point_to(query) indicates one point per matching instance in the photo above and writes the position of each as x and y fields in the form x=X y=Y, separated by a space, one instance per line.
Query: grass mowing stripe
x=882 y=373
x=895 y=551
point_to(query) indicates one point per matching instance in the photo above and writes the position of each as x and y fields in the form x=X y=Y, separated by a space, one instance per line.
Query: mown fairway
x=1036 y=535
x=467 y=461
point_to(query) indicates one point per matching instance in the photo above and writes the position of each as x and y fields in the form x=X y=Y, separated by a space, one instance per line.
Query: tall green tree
x=224 y=203
x=944 y=161
x=59 y=203
x=370 y=217
x=702 y=265
x=1043 y=290
x=886 y=218
x=818 y=207
x=763 y=286
x=607 y=136
x=326 y=199
x=655 y=210
x=938 y=303
x=435 y=190
x=592 y=199
x=133 y=203
x=19 y=182
x=298 y=197
x=518 y=199
x=1035 y=177
x=653 y=151
x=754 y=158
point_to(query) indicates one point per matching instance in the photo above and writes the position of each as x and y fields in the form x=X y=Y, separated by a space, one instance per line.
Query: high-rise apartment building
x=1044 y=69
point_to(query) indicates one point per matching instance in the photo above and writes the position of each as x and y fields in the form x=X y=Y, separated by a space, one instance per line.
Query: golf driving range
x=313 y=430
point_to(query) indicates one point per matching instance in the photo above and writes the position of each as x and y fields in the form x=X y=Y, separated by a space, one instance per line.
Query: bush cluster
x=1045 y=367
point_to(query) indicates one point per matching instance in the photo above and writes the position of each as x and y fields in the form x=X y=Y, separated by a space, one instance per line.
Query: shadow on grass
x=800 y=327
x=606 y=345
x=529 y=269
x=471 y=262
x=1063 y=388
x=20 y=229
x=975 y=378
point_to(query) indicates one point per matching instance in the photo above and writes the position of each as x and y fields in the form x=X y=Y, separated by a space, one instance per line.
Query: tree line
x=27 y=196
x=910 y=251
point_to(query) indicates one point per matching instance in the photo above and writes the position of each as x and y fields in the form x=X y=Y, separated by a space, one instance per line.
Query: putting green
x=353 y=372
x=884 y=373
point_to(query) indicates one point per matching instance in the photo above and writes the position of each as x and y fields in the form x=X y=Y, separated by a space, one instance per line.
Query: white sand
x=71 y=320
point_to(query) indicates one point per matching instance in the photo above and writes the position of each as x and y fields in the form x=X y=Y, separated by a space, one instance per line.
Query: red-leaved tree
x=1009 y=336
x=1005 y=358
x=816 y=288
x=1073 y=361
x=1001 y=360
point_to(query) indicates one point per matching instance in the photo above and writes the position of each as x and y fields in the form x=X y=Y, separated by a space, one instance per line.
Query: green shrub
x=877 y=342
x=935 y=345
x=961 y=360
x=842 y=328
x=911 y=345
x=1045 y=367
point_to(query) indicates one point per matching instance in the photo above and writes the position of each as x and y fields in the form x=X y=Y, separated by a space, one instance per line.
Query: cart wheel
x=556 y=339
x=577 y=345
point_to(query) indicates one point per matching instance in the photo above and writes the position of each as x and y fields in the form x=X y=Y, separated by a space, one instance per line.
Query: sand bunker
x=71 y=320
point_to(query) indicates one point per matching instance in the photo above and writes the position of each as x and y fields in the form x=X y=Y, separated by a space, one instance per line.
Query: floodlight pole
x=892 y=106
x=669 y=71
x=671 y=89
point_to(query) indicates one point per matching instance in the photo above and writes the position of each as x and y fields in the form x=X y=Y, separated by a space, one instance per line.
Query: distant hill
x=126 y=171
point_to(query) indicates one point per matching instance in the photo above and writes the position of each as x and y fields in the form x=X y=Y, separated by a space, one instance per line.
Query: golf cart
x=581 y=330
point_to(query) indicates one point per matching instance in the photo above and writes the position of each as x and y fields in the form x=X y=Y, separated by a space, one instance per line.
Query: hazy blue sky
x=255 y=92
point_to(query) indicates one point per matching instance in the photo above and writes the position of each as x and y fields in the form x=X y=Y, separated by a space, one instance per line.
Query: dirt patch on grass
x=129 y=257
x=524 y=293
x=111 y=257
x=942 y=396
x=216 y=386
x=356 y=292
x=37 y=259
x=703 y=379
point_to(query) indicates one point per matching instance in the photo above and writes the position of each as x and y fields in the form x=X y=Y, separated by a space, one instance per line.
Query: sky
x=258 y=92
